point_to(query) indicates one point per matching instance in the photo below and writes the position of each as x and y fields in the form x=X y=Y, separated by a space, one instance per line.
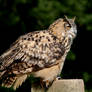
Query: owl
x=39 y=53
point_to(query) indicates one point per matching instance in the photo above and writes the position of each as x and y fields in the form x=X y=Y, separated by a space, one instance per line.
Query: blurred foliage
x=19 y=11
x=71 y=56
x=21 y=16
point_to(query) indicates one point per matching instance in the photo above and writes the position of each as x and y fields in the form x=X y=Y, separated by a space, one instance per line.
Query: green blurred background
x=18 y=17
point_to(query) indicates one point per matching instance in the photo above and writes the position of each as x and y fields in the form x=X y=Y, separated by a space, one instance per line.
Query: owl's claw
x=58 y=78
x=47 y=84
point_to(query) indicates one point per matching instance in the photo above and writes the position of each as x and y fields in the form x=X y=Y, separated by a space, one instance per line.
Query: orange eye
x=67 y=26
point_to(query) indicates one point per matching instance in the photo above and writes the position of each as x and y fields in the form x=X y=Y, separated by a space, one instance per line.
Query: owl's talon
x=47 y=84
x=41 y=84
x=59 y=78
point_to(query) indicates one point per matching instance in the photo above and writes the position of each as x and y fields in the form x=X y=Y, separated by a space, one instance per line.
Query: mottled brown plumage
x=41 y=53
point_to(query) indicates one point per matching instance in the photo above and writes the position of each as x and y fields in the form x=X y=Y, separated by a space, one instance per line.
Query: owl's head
x=64 y=27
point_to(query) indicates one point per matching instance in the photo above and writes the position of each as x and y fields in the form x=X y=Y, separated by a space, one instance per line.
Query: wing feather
x=8 y=57
x=30 y=53
x=34 y=49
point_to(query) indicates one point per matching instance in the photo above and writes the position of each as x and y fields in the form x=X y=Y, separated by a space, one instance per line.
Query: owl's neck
x=57 y=33
x=57 y=29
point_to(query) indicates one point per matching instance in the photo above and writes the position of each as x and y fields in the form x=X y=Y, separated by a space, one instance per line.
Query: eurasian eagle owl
x=41 y=53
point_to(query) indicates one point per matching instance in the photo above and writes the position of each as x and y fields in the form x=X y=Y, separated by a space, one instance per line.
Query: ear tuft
x=65 y=17
x=74 y=18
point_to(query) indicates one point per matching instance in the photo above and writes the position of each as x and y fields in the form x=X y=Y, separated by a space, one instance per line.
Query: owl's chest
x=51 y=72
x=48 y=73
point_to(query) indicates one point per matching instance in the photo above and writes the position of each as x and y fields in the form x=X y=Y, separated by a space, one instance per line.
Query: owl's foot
x=41 y=84
x=44 y=84
x=47 y=84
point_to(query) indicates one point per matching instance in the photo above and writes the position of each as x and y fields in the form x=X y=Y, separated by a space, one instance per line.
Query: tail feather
x=7 y=79
x=19 y=81
x=10 y=80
